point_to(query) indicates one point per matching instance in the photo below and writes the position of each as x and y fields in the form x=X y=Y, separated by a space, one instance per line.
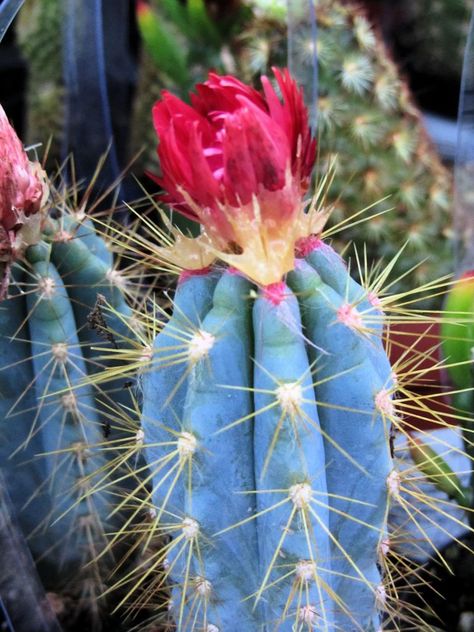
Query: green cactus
x=367 y=117
x=457 y=335
x=38 y=30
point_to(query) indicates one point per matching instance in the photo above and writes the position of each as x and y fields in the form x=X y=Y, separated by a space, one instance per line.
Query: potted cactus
x=223 y=461
x=268 y=398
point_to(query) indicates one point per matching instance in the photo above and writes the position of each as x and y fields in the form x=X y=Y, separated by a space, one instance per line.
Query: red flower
x=233 y=148
x=22 y=192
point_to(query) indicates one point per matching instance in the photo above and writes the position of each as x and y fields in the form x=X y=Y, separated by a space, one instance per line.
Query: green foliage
x=457 y=336
x=161 y=45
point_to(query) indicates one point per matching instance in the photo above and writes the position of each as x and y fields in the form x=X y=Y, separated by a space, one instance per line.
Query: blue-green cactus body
x=312 y=417
x=333 y=272
x=25 y=475
x=84 y=231
x=88 y=276
x=221 y=476
x=61 y=420
x=289 y=452
x=66 y=419
x=358 y=452
x=163 y=391
x=91 y=276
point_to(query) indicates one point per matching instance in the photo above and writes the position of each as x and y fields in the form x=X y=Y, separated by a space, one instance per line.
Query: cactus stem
x=305 y=570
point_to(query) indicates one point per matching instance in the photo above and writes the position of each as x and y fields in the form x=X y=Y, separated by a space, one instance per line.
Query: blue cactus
x=58 y=432
x=266 y=422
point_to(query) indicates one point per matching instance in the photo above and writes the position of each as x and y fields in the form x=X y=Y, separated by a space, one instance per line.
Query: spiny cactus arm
x=221 y=487
x=86 y=275
x=163 y=47
x=348 y=391
x=84 y=230
x=101 y=331
x=333 y=270
x=18 y=445
x=66 y=416
x=164 y=384
x=334 y=273
x=293 y=518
